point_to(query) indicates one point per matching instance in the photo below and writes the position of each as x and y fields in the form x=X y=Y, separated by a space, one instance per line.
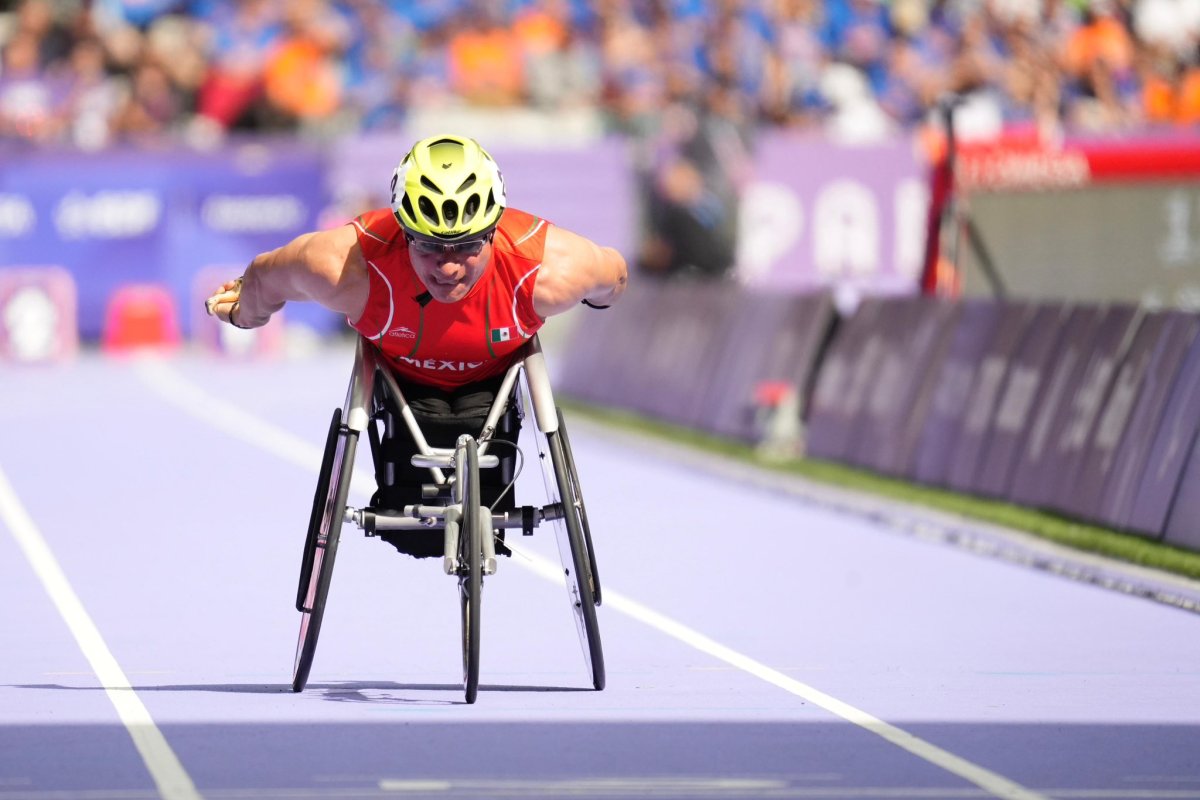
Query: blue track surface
x=757 y=646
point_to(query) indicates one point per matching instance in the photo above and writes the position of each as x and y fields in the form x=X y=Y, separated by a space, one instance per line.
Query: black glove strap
x=233 y=308
x=590 y=304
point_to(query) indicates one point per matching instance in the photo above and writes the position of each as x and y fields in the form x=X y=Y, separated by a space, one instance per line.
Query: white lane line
x=164 y=766
x=991 y=782
x=191 y=398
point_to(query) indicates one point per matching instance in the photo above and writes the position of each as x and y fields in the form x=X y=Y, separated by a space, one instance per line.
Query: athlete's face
x=450 y=271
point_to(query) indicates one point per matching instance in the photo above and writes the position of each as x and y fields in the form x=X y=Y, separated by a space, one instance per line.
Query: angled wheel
x=320 y=545
x=573 y=551
x=470 y=568
x=583 y=518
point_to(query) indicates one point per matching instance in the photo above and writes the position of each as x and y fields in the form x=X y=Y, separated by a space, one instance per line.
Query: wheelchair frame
x=454 y=507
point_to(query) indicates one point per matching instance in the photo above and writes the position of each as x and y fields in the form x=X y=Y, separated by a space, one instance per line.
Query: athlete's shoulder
x=378 y=229
x=522 y=233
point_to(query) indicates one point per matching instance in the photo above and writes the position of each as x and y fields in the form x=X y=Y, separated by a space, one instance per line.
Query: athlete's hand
x=224 y=302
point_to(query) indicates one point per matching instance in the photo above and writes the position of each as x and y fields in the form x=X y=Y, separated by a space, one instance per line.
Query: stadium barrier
x=1089 y=411
x=1023 y=386
x=697 y=354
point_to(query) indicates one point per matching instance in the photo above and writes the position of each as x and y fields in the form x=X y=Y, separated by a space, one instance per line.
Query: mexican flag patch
x=501 y=334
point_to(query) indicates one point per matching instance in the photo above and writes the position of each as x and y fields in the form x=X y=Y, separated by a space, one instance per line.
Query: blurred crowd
x=89 y=73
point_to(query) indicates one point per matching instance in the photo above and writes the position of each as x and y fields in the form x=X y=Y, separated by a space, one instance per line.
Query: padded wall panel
x=1183 y=524
x=601 y=359
x=741 y=361
x=1023 y=385
x=674 y=362
x=901 y=461
x=1100 y=452
x=1077 y=428
x=884 y=392
x=777 y=340
x=972 y=334
x=724 y=312
x=1159 y=378
x=1010 y=332
x=794 y=353
x=841 y=383
x=886 y=431
x=1160 y=479
x=1035 y=467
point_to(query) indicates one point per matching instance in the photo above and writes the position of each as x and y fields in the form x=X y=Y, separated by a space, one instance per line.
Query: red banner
x=1031 y=165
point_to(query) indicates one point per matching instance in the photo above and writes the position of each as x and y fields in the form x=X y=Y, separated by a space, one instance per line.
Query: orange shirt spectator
x=539 y=32
x=486 y=65
x=301 y=80
x=1103 y=39
x=1164 y=101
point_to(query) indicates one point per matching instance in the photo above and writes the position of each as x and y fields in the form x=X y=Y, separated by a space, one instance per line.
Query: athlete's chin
x=448 y=294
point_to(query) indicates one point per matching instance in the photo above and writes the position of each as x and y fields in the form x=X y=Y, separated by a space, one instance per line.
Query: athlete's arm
x=576 y=269
x=326 y=267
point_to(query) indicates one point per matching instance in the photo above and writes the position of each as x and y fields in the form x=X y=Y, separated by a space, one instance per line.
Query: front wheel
x=577 y=489
x=574 y=552
x=470 y=568
x=321 y=543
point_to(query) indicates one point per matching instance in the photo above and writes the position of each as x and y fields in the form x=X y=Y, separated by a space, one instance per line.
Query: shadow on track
x=350 y=691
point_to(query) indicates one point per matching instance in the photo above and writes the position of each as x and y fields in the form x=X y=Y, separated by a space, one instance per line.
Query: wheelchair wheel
x=573 y=550
x=583 y=518
x=320 y=546
x=470 y=577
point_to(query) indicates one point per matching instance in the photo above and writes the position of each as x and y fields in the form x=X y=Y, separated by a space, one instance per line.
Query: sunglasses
x=465 y=248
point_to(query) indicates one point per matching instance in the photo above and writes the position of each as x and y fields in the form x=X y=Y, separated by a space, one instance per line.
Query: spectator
x=30 y=101
x=793 y=92
x=1099 y=59
x=855 y=66
x=857 y=33
x=301 y=80
x=37 y=20
x=562 y=68
x=93 y=97
x=485 y=59
x=153 y=104
x=380 y=60
x=242 y=37
x=1171 y=90
x=694 y=196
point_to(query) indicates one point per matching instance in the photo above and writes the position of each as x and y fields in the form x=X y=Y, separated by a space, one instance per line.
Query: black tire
x=470 y=578
x=321 y=543
x=583 y=518
x=579 y=581
x=318 y=509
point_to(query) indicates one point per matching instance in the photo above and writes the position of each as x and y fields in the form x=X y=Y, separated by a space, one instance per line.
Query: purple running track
x=182 y=540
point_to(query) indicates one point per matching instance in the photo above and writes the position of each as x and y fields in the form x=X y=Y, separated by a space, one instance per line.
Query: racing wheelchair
x=450 y=506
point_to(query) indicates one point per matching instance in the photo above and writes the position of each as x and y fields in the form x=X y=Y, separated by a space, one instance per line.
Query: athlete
x=449 y=283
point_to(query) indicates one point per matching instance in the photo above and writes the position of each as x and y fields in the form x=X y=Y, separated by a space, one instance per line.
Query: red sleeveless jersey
x=450 y=344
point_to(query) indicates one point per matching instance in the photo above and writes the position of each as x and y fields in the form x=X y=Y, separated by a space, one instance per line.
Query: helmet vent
x=408 y=209
x=470 y=209
x=491 y=203
x=428 y=210
x=467 y=184
x=430 y=185
x=450 y=213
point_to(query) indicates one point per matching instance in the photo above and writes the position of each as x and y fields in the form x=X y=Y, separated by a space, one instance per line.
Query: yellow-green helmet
x=447 y=187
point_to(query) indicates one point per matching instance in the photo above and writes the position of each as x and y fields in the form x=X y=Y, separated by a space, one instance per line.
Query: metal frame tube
x=355 y=413
x=541 y=396
x=414 y=428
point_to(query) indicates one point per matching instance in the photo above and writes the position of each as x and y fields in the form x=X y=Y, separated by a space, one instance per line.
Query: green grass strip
x=1070 y=533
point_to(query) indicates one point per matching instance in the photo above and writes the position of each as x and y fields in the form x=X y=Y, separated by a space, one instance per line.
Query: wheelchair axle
x=448 y=518
x=422 y=517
